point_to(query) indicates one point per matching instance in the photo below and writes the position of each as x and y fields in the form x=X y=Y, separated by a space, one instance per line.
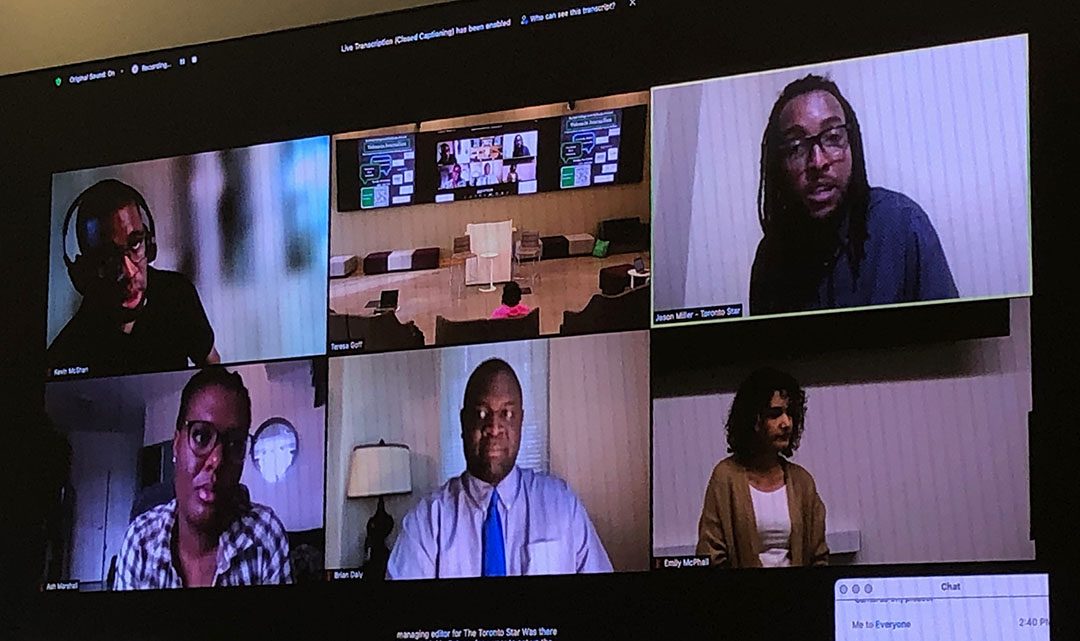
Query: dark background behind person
x=706 y=44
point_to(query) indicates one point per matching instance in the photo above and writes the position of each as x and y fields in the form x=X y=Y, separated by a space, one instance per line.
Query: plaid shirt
x=252 y=551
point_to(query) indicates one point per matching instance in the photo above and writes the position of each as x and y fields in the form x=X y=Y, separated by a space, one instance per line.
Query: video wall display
x=829 y=187
x=492 y=159
x=566 y=262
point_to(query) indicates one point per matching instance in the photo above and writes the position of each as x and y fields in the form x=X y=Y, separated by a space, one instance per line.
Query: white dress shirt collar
x=479 y=492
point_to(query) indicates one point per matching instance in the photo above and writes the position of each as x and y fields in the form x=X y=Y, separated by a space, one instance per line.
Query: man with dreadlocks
x=830 y=240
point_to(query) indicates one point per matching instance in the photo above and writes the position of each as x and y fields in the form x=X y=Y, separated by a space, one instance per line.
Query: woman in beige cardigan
x=762 y=510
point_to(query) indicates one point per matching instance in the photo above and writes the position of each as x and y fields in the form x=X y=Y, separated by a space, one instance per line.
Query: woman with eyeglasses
x=761 y=509
x=211 y=534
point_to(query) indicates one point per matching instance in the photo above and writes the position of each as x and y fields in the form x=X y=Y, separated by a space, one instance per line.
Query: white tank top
x=773 y=526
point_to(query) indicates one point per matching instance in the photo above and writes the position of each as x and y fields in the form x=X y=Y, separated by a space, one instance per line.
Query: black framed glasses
x=833 y=142
x=110 y=261
x=203 y=437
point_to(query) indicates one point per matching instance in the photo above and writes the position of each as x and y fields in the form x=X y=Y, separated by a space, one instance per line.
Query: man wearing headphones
x=133 y=318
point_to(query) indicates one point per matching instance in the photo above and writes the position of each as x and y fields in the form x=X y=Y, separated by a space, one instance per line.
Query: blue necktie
x=494 y=560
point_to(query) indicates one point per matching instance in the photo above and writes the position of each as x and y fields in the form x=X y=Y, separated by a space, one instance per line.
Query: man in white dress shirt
x=496 y=519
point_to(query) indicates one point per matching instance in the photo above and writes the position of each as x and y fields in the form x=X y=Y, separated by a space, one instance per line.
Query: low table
x=635 y=274
x=342 y=266
x=554 y=247
x=372 y=308
x=490 y=257
x=401 y=260
x=580 y=244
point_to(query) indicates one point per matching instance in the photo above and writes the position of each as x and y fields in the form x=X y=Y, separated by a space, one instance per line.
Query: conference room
x=501 y=226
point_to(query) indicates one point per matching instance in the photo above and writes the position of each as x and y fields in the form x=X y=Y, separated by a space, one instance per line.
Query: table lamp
x=380 y=470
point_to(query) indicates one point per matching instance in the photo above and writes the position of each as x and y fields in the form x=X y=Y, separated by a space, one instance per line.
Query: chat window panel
x=1005 y=607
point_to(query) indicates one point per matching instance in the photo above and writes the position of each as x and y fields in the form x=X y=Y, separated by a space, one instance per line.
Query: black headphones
x=81 y=273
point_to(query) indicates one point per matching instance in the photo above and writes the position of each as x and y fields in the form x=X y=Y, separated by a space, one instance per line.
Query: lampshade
x=379 y=469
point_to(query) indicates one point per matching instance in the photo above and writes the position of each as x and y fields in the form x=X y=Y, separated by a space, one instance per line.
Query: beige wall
x=436 y=224
x=598 y=408
x=394 y=397
x=599 y=397
x=45 y=33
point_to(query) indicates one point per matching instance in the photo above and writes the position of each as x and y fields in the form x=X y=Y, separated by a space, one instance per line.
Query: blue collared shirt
x=903 y=262
x=545 y=526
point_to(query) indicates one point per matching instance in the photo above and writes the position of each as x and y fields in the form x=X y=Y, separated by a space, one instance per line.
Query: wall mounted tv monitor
x=486 y=161
x=387 y=171
x=498 y=154
x=589 y=150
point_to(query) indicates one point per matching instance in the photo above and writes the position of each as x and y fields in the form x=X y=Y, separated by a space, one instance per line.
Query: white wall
x=598 y=414
x=103 y=422
x=947 y=126
x=600 y=436
x=929 y=462
x=45 y=33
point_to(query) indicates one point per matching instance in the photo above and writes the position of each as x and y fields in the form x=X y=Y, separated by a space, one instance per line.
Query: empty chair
x=528 y=248
x=462 y=252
